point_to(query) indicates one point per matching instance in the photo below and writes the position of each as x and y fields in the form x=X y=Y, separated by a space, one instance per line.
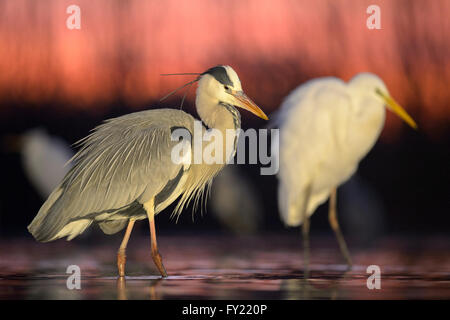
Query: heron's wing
x=315 y=125
x=120 y=161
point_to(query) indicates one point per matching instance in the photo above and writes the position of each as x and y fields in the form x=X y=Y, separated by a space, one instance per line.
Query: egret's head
x=372 y=86
x=221 y=84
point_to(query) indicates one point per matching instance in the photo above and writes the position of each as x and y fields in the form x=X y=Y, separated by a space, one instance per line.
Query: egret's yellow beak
x=392 y=105
x=247 y=104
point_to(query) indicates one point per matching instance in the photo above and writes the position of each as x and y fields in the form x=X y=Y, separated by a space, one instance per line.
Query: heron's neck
x=222 y=117
x=217 y=115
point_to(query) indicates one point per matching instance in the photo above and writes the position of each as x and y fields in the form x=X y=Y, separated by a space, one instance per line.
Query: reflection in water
x=312 y=288
x=224 y=267
x=122 y=291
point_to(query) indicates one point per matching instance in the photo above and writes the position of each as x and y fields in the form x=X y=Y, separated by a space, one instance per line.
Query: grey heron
x=124 y=170
x=326 y=127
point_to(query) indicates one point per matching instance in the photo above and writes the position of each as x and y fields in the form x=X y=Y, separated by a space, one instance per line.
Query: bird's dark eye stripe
x=220 y=73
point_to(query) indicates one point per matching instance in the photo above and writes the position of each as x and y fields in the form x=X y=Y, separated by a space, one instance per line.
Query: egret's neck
x=367 y=121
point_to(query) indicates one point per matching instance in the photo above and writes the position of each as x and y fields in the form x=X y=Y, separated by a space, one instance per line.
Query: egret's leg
x=157 y=259
x=121 y=256
x=305 y=231
x=332 y=217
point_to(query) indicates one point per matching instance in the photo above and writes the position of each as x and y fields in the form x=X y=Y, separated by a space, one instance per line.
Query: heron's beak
x=392 y=105
x=247 y=104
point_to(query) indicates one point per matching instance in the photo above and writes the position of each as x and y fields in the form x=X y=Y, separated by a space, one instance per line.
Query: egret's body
x=125 y=172
x=326 y=127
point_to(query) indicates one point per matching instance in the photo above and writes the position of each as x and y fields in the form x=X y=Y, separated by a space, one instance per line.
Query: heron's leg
x=332 y=217
x=157 y=259
x=121 y=256
x=305 y=231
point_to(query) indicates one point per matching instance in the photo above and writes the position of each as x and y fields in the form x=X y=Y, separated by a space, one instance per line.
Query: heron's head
x=221 y=85
x=371 y=86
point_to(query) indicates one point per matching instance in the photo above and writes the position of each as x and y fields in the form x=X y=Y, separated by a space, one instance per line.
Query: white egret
x=326 y=127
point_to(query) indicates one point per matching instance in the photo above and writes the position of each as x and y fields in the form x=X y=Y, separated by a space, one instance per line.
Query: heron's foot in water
x=157 y=259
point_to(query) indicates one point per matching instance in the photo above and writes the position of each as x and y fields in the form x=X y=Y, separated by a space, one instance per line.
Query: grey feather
x=112 y=226
x=125 y=160
x=125 y=164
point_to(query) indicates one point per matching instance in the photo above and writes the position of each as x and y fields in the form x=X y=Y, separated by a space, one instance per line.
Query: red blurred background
x=68 y=81
x=123 y=47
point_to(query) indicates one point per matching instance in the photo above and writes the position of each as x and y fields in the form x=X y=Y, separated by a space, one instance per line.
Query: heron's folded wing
x=115 y=165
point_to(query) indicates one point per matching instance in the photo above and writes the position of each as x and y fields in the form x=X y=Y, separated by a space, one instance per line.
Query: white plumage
x=44 y=159
x=326 y=127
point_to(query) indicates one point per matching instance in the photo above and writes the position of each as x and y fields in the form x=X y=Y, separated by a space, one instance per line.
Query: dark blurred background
x=67 y=81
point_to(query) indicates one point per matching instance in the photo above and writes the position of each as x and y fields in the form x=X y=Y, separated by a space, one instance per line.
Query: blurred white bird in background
x=361 y=209
x=44 y=158
x=238 y=208
x=326 y=127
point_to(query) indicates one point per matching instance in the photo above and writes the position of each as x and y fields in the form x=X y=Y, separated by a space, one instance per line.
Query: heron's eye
x=226 y=88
